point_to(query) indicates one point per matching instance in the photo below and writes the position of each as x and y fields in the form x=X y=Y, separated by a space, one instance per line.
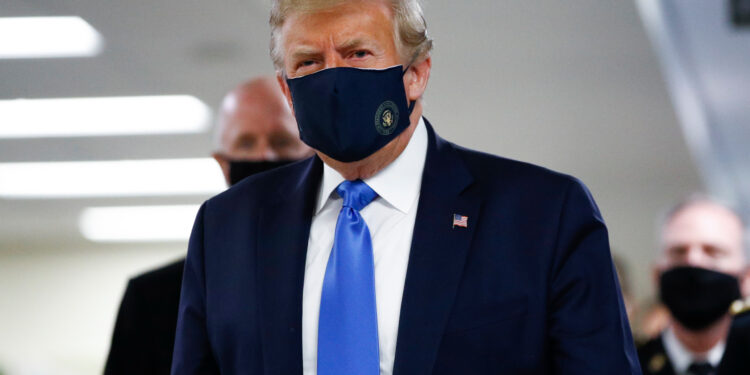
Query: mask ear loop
x=411 y=105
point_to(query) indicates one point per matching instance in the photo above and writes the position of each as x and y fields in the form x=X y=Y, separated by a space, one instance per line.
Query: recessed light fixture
x=44 y=37
x=124 y=178
x=137 y=223
x=102 y=116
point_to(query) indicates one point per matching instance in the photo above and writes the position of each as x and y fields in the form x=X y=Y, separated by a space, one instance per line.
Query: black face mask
x=698 y=297
x=239 y=169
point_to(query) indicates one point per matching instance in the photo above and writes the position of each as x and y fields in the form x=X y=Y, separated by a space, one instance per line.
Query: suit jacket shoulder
x=144 y=332
x=166 y=278
x=497 y=172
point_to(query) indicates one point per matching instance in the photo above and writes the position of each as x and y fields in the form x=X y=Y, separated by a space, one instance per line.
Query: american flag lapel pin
x=460 y=221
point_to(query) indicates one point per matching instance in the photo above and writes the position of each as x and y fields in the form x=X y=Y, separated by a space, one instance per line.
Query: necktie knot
x=700 y=368
x=356 y=194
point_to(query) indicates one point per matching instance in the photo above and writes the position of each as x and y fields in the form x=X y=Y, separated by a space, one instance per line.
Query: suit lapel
x=438 y=254
x=283 y=232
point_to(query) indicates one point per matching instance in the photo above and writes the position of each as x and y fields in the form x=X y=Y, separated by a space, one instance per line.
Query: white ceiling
x=571 y=85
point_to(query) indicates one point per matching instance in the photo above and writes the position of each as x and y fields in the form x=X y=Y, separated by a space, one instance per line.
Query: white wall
x=57 y=307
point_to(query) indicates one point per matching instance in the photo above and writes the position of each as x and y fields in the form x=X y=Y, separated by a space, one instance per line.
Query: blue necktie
x=348 y=325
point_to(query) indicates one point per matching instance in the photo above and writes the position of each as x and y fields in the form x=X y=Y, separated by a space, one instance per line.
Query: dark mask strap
x=411 y=106
x=406 y=70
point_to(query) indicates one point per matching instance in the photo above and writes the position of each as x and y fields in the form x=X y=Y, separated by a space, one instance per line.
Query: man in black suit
x=255 y=132
x=702 y=271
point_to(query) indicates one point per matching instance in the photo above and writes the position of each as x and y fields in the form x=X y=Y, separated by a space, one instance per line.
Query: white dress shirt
x=390 y=218
x=681 y=357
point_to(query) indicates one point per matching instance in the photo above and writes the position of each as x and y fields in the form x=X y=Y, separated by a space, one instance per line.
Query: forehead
x=339 y=23
x=256 y=115
x=704 y=223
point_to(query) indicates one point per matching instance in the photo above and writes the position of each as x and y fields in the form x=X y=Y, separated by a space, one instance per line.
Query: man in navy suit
x=393 y=251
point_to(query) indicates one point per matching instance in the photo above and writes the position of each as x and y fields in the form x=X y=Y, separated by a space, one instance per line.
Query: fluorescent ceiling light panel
x=105 y=116
x=43 y=37
x=126 y=178
x=137 y=223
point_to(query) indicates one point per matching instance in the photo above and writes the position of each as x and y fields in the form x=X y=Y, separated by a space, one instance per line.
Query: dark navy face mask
x=350 y=113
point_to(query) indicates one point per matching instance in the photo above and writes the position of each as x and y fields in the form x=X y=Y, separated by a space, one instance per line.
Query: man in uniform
x=701 y=270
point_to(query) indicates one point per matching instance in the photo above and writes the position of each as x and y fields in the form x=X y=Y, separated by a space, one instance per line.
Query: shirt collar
x=681 y=357
x=398 y=183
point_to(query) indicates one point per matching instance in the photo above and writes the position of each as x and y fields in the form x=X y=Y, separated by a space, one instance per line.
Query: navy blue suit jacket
x=528 y=288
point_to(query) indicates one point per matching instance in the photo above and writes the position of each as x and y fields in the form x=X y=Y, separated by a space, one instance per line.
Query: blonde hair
x=410 y=27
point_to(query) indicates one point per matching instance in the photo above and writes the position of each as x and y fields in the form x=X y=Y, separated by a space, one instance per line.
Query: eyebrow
x=357 y=43
x=352 y=43
x=304 y=52
x=244 y=138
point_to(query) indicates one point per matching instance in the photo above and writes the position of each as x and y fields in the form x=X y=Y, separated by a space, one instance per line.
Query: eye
x=360 y=54
x=678 y=252
x=246 y=143
x=280 y=143
x=714 y=251
x=305 y=63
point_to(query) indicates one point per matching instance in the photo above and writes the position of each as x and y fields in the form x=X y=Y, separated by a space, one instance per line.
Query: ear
x=224 y=164
x=415 y=79
x=285 y=89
